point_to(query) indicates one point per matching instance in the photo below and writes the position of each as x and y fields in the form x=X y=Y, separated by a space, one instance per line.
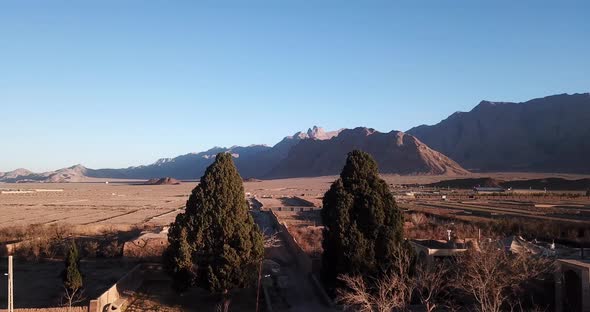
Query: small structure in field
x=517 y=245
x=488 y=190
x=431 y=250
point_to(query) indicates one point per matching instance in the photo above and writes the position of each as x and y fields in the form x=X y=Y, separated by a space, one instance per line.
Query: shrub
x=90 y=249
x=111 y=250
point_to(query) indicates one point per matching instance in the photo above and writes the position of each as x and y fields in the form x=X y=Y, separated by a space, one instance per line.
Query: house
x=572 y=285
x=431 y=251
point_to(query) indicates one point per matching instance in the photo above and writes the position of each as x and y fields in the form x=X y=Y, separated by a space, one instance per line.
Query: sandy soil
x=123 y=204
x=92 y=204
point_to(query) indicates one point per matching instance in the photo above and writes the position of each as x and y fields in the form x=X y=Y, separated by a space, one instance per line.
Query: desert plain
x=97 y=205
x=122 y=209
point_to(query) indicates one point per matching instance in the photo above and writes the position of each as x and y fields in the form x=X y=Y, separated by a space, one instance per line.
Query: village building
x=430 y=251
x=572 y=285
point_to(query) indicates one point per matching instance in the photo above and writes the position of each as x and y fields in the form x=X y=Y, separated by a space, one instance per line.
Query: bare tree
x=392 y=291
x=223 y=306
x=432 y=284
x=72 y=296
x=493 y=277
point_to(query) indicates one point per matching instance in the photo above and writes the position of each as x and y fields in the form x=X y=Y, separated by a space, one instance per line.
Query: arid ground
x=91 y=209
x=117 y=204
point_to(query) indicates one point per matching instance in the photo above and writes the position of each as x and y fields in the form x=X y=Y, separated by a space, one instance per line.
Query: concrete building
x=430 y=251
x=572 y=285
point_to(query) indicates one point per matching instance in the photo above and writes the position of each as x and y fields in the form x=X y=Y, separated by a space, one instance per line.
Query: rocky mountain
x=550 y=134
x=18 y=174
x=312 y=153
x=76 y=173
x=395 y=152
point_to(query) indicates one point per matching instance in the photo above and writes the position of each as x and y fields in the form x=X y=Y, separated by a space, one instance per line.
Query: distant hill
x=550 y=134
x=162 y=181
x=551 y=184
x=312 y=153
x=468 y=183
x=77 y=173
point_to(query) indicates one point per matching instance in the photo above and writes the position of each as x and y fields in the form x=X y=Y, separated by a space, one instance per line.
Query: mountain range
x=312 y=153
x=550 y=134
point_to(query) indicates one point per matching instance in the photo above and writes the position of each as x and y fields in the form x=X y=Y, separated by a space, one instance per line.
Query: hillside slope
x=312 y=153
x=395 y=152
x=550 y=134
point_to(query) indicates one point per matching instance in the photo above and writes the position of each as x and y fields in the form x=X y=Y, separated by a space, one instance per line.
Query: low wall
x=9 y=249
x=128 y=283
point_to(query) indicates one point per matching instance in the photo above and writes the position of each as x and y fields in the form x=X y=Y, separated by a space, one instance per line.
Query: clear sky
x=119 y=83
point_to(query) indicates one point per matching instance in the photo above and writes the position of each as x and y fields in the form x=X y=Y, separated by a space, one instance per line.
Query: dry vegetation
x=309 y=239
x=486 y=280
x=34 y=243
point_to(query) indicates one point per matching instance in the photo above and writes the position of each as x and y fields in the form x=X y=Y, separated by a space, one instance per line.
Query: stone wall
x=127 y=284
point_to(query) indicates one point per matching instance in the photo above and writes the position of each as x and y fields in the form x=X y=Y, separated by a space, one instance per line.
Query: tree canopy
x=363 y=228
x=215 y=243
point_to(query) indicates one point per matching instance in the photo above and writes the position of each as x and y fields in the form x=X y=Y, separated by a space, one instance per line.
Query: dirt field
x=100 y=207
x=92 y=204
x=115 y=205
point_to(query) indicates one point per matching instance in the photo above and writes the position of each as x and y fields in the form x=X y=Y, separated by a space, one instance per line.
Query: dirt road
x=300 y=294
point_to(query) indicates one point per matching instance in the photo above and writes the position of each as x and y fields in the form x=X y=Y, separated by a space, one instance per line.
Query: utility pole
x=10 y=286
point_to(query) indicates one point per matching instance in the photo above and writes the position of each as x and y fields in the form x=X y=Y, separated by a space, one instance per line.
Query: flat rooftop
x=439 y=244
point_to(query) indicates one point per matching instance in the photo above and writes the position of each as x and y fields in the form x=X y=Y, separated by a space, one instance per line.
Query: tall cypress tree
x=222 y=242
x=363 y=227
x=71 y=276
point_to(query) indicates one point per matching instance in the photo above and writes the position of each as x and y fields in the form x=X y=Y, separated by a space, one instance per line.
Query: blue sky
x=119 y=83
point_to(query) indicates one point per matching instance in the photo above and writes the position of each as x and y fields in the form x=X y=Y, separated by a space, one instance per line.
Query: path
x=300 y=294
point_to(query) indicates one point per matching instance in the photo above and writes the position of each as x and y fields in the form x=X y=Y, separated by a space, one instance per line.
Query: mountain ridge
x=549 y=134
x=261 y=161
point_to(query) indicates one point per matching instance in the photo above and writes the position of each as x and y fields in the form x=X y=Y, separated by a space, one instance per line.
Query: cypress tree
x=178 y=257
x=222 y=243
x=71 y=276
x=363 y=227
